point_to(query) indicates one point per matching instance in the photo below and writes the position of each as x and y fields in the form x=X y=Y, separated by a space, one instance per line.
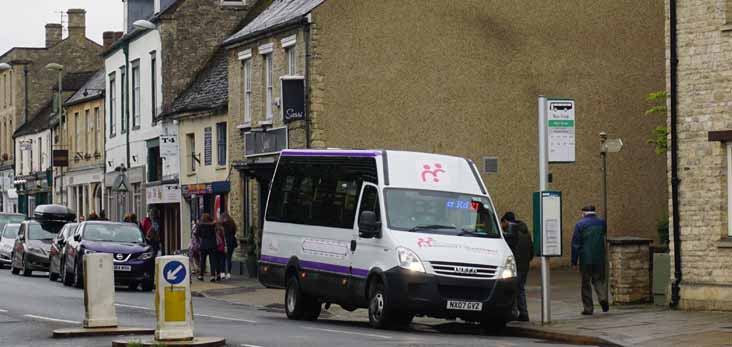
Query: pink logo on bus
x=424 y=242
x=434 y=172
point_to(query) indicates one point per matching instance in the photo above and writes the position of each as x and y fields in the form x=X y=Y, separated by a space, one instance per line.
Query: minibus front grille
x=464 y=270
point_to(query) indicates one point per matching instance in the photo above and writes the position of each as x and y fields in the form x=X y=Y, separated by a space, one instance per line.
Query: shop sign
x=205 y=188
x=169 y=154
x=163 y=194
x=293 y=98
x=60 y=158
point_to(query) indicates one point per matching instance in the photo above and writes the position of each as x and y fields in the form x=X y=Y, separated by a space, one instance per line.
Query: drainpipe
x=126 y=99
x=25 y=85
x=673 y=66
x=306 y=34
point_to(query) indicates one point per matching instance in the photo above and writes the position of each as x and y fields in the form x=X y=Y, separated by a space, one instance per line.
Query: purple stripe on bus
x=326 y=153
x=312 y=265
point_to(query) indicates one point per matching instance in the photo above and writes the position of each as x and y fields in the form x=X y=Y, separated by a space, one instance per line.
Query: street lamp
x=5 y=67
x=143 y=24
x=60 y=69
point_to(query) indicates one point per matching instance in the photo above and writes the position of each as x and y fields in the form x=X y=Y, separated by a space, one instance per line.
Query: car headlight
x=146 y=255
x=509 y=268
x=409 y=260
x=89 y=251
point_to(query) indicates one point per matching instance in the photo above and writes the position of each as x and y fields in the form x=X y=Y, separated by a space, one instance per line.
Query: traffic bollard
x=99 y=291
x=173 y=299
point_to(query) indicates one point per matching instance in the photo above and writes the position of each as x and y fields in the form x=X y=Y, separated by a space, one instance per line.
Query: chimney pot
x=53 y=34
x=77 y=22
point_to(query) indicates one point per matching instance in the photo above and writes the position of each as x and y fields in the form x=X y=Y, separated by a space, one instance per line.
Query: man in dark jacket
x=519 y=239
x=588 y=247
x=207 y=236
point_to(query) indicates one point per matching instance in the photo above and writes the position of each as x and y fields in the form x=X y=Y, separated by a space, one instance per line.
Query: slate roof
x=73 y=81
x=38 y=123
x=94 y=88
x=279 y=13
x=208 y=92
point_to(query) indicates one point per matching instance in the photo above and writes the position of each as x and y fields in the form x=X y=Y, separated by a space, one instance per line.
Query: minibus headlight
x=509 y=268
x=409 y=260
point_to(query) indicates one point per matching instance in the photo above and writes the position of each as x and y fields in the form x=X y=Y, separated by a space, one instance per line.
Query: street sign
x=560 y=123
x=612 y=146
x=548 y=223
x=174 y=272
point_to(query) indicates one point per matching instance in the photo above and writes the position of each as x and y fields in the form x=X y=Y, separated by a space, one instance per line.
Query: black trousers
x=593 y=276
x=214 y=260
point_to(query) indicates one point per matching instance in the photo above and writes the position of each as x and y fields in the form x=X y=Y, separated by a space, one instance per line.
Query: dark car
x=56 y=255
x=31 y=248
x=134 y=260
x=7 y=242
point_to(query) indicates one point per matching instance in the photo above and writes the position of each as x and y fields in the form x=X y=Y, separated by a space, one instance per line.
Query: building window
x=90 y=130
x=136 y=94
x=290 y=54
x=40 y=154
x=137 y=200
x=153 y=82
x=191 y=142
x=268 y=85
x=247 y=72
x=221 y=144
x=123 y=116
x=10 y=100
x=112 y=103
x=207 y=146
x=97 y=120
x=77 y=128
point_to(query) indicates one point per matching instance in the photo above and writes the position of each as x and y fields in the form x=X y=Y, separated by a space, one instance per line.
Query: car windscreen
x=112 y=233
x=37 y=232
x=11 y=231
x=438 y=212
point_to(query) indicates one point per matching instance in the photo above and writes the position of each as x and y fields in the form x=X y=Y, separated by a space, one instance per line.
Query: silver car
x=7 y=241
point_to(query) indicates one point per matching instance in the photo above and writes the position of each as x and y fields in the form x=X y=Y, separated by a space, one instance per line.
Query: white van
x=399 y=233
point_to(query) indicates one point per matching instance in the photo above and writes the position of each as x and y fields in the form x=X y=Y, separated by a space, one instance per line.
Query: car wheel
x=381 y=314
x=299 y=305
x=147 y=286
x=26 y=272
x=78 y=276
x=65 y=277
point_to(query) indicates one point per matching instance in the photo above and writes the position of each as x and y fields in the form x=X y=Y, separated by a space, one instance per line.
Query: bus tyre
x=297 y=304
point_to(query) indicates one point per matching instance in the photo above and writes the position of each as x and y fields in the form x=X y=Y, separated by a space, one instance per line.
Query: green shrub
x=662 y=231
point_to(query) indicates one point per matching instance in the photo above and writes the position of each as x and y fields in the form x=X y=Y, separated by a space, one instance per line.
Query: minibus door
x=367 y=246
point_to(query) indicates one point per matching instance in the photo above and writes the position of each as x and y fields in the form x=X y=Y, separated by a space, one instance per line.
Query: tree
x=659 y=135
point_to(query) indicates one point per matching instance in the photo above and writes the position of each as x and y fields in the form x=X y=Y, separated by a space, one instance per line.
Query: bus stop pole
x=545 y=294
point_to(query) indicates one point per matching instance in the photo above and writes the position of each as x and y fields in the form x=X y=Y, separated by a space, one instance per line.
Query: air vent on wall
x=490 y=165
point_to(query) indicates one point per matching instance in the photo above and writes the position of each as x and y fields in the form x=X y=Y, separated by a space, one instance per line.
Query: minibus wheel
x=299 y=305
x=381 y=315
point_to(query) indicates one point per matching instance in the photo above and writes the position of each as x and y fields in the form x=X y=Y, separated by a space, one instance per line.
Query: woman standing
x=229 y=228
x=207 y=234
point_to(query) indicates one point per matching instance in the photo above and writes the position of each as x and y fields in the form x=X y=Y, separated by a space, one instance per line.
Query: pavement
x=624 y=325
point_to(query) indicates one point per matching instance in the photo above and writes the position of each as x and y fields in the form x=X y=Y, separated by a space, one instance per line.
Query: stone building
x=704 y=155
x=146 y=70
x=459 y=78
x=28 y=77
x=82 y=133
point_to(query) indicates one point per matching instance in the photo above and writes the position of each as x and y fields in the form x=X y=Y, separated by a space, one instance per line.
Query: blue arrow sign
x=174 y=272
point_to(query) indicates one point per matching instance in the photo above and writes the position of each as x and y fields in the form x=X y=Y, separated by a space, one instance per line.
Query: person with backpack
x=229 y=228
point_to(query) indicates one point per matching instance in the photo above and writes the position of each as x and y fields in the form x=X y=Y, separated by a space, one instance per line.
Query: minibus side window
x=370 y=201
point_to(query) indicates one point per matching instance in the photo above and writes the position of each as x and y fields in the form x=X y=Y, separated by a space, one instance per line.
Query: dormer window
x=235 y=3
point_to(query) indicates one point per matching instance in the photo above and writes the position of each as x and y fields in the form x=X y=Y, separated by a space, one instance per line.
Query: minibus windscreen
x=437 y=212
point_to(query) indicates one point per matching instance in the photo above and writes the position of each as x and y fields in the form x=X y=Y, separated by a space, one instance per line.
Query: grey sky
x=22 y=21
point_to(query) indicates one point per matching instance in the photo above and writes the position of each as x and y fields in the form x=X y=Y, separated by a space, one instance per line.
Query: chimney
x=118 y=35
x=53 y=34
x=77 y=22
x=107 y=39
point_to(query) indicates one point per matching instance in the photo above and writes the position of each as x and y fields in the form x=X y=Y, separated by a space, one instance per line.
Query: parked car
x=7 y=241
x=134 y=260
x=6 y=218
x=30 y=252
x=56 y=255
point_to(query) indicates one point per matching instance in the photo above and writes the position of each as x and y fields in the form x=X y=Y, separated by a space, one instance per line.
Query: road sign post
x=173 y=299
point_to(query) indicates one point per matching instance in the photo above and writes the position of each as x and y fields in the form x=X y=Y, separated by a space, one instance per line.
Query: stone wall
x=629 y=270
x=704 y=35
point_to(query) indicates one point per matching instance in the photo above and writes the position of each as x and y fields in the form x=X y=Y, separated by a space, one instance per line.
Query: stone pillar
x=629 y=269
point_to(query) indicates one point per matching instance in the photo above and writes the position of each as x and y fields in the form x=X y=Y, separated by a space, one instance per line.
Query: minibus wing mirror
x=368 y=225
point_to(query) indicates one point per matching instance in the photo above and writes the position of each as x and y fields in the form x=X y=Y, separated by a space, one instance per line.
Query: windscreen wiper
x=431 y=227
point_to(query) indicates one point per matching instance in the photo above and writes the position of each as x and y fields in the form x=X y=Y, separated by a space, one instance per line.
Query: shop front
x=84 y=189
x=163 y=202
x=32 y=190
x=124 y=193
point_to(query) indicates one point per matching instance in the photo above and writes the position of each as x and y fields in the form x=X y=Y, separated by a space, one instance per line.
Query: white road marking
x=51 y=319
x=225 y=318
x=137 y=307
x=246 y=345
x=3 y=311
x=348 y=332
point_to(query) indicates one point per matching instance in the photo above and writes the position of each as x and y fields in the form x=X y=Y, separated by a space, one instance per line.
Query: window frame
x=728 y=155
x=268 y=87
x=153 y=82
x=221 y=155
x=136 y=102
x=112 y=102
x=247 y=87
x=77 y=133
x=123 y=117
x=191 y=143
x=96 y=129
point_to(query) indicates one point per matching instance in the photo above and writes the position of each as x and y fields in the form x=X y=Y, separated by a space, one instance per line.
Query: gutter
x=673 y=79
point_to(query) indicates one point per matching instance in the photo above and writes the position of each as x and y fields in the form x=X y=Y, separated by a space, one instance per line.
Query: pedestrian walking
x=220 y=254
x=523 y=253
x=194 y=249
x=207 y=234
x=588 y=248
x=229 y=227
